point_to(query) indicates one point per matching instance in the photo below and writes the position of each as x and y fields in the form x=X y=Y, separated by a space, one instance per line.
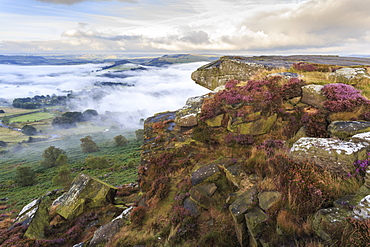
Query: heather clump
x=315 y=124
x=263 y=95
x=343 y=98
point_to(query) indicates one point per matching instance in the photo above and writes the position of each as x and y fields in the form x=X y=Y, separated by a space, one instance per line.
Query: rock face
x=219 y=72
x=333 y=154
x=107 y=231
x=35 y=215
x=349 y=75
x=344 y=129
x=312 y=95
x=86 y=192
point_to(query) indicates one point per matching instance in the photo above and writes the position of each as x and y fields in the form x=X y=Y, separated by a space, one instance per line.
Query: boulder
x=191 y=206
x=85 y=192
x=215 y=121
x=286 y=75
x=187 y=115
x=35 y=216
x=106 y=232
x=349 y=75
x=217 y=73
x=200 y=197
x=256 y=222
x=335 y=155
x=268 y=199
x=242 y=204
x=313 y=96
x=257 y=127
x=344 y=129
x=203 y=173
x=350 y=206
x=362 y=137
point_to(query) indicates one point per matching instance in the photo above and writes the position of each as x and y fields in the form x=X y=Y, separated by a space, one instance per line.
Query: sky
x=245 y=27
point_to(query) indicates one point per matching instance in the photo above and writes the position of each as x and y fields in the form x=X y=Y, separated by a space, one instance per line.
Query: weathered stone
x=344 y=129
x=353 y=206
x=85 y=192
x=107 y=231
x=233 y=174
x=258 y=127
x=191 y=206
x=187 y=115
x=256 y=223
x=268 y=199
x=243 y=203
x=215 y=121
x=312 y=95
x=294 y=101
x=200 y=197
x=209 y=188
x=217 y=73
x=238 y=208
x=242 y=233
x=362 y=137
x=336 y=155
x=349 y=75
x=286 y=75
x=203 y=173
x=35 y=216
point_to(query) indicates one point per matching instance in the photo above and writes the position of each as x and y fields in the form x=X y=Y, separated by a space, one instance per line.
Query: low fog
x=154 y=90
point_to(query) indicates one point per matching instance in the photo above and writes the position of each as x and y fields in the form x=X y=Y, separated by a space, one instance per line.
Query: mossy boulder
x=349 y=75
x=242 y=204
x=313 y=96
x=333 y=154
x=35 y=216
x=86 y=192
x=200 y=197
x=215 y=121
x=345 y=129
x=187 y=116
x=268 y=199
x=203 y=173
x=256 y=222
x=106 y=232
x=257 y=127
x=217 y=73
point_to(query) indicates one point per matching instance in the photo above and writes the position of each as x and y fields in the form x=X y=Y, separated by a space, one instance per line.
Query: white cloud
x=274 y=26
x=70 y=2
x=156 y=89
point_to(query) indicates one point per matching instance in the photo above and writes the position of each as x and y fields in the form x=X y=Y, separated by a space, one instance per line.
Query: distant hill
x=74 y=59
x=179 y=58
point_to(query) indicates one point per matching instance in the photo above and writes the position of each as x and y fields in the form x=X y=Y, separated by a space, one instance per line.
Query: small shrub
x=24 y=176
x=137 y=215
x=29 y=130
x=96 y=162
x=292 y=89
x=51 y=155
x=88 y=145
x=232 y=139
x=120 y=140
x=315 y=124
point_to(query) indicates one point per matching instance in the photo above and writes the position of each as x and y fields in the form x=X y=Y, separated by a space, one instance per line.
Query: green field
x=122 y=169
x=33 y=117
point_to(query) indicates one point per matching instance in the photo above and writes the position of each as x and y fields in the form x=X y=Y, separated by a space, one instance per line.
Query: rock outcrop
x=350 y=75
x=217 y=73
x=35 y=216
x=333 y=154
x=86 y=192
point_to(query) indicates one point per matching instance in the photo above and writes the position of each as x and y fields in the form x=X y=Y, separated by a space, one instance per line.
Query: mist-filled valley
x=128 y=95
